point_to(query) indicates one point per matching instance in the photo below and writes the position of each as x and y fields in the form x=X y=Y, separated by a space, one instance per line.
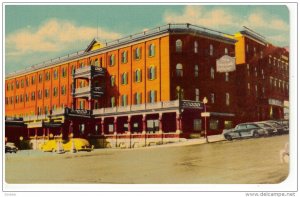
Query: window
x=64 y=72
x=124 y=78
x=196 y=70
x=63 y=90
x=179 y=70
x=227 y=99
x=55 y=91
x=40 y=94
x=47 y=76
x=40 y=78
x=270 y=60
x=262 y=73
x=22 y=83
x=212 y=73
x=21 y=98
x=254 y=51
x=249 y=87
x=213 y=124
x=32 y=96
x=17 y=84
x=32 y=80
x=6 y=101
x=26 y=97
x=151 y=73
x=73 y=70
x=226 y=76
x=255 y=90
x=81 y=84
x=55 y=74
x=197 y=94
x=46 y=93
x=195 y=47
x=211 y=50
x=81 y=104
x=225 y=51
x=228 y=124
x=151 y=50
x=255 y=70
x=178 y=45
x=261 y=54
x=137 y=53
x=27 y=82
x=263 y=90
x=81 y=65
x=112 y=101
x=17 y=99
x=197 y=124
x=97 y=62
x=212 y=98
x=152 y=96
x=124 y=57
x=112 y=81
x=137 y=98
x=137 y=76
x=124 y=100
x=247 y=48
x=112 y=60
x=96 y=104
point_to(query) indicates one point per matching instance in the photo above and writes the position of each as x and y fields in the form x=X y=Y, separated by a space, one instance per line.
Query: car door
x=247 y=131
x=243 y=130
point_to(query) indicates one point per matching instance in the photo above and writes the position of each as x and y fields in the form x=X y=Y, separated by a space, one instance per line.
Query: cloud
x=52 y=36
x=197 y=15
x=264 y=20
x=230 y=21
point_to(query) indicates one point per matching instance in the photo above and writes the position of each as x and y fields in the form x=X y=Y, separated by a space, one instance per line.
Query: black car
x=10 y=148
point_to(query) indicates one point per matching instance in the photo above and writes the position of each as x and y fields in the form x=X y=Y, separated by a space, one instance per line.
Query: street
x=248 y=161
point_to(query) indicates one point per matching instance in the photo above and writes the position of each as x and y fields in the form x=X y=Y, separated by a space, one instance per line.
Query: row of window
x=10 y=86
x=179 y=45
x=19 y=98
x=179 y=72
x=274 y=82
x=279 y=63
x=137 y=55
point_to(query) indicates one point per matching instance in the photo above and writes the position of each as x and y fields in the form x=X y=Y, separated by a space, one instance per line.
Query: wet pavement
x=239 y=161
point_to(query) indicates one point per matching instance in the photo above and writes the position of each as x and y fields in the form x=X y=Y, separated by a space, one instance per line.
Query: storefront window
x=214 y=124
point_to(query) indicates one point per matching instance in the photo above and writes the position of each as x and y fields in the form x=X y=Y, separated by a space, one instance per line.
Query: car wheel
x=228 y=137
x=255 y=134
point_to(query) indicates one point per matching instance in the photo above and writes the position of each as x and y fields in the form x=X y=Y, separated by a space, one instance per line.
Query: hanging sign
x=226 y=64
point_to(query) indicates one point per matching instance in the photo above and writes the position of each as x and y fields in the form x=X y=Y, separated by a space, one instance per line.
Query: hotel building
x=149 y=85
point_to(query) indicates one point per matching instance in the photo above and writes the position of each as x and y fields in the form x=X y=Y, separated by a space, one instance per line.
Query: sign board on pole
x=205 y=114
x=226 y=64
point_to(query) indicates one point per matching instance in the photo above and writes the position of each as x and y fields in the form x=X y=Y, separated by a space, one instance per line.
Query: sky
x=37 y=33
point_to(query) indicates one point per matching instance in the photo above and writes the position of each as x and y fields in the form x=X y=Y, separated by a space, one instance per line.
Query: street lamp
x=205 y=101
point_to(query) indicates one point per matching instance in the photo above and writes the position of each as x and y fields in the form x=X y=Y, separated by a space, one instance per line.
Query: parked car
x=245 y=130
x=10 y=148
x=75 y=144
x=269 y=127
x=282 y=126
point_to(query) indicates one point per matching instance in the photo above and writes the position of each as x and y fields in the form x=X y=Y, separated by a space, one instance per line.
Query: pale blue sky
x=35 y=33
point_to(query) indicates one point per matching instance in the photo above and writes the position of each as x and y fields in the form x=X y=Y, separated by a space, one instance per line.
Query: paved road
x=240 y=161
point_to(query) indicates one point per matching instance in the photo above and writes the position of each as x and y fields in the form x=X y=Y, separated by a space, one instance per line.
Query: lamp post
x=205 y=130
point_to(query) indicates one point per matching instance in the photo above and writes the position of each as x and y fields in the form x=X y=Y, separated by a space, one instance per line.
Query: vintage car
x=245 y=130
x=10 y=148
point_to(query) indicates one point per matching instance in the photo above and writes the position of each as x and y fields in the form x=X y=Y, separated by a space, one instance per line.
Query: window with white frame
x=197 y=94
x=152 y=96
x=211 y=50
x=124 y=100
x=178 y=45
x=212 y=73
x=227 y=99
x=195 y=47
x=226 y=51
x=151 y=50
x=212 y=98
x=152 y=73
x=196 y=69
x=226 y=76
x=179 y=70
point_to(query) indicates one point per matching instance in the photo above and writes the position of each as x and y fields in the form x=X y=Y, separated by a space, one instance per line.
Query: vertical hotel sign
x=226 y=64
